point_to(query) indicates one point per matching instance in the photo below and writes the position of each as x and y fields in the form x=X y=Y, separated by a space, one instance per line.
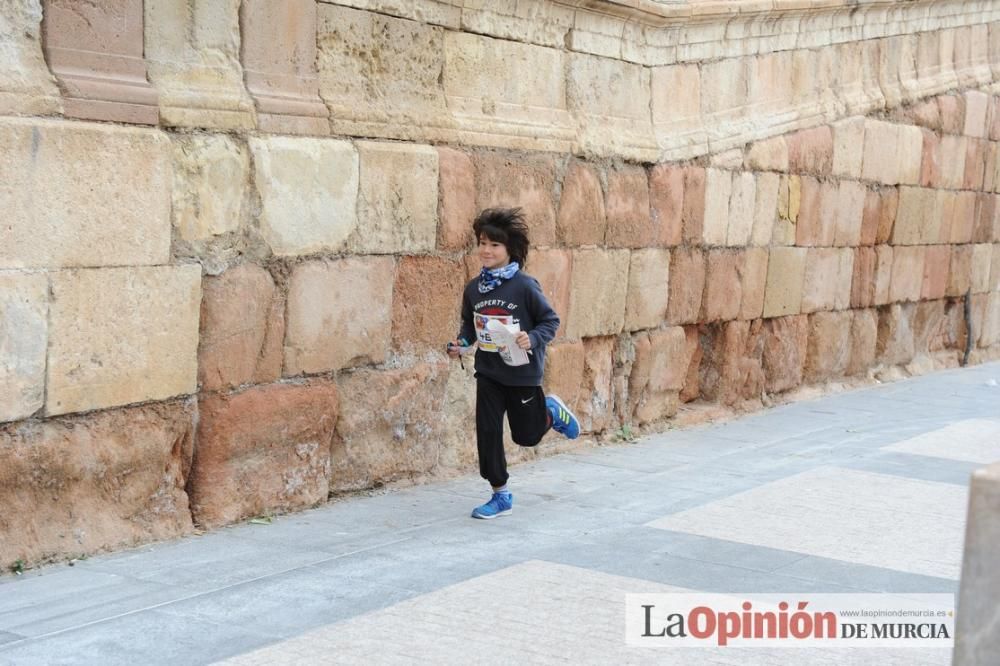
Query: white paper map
x=502 y=335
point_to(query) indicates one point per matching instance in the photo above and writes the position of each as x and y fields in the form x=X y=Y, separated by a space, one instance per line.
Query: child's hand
x=522 y=340
x=454 y=349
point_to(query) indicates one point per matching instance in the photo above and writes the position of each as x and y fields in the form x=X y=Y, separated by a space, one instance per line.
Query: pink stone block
x=456 y=199
x=818 y=213
x=937 y=262
x=687 y=284
x=582 y=219
x=666 y=203
x=627 y=206
x=723 y=285
x=907 y=273
x=811 y=151
x=863 y=280
x=754 y=282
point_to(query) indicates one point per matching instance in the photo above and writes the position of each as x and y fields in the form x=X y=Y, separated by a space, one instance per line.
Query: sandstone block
x=963 y=217
x=339 y=314
x=848 y=147
x=829 y=345
x=881 y=152
x=732 y=367
x=526 y=183
x=565 y=364
x=266 y=449
x=919 y=216
x=723 y=285
x=211 y=173
x=741 y=209
x=976 y=112
x=242 y=327
x=870 y=217
x=112 y=183
x=121 y=335
x=827 y=279
x=986 y=218
x=863 y=281
x=687 y=286
x=598 y=295
x=929 y=323
x=995 y=269
x=582 y=219
x=648 y=289
x=930 y=167
x=953 y=153
x=975 y=164
x=554 y=271
x=894 y=344
x=666 y=203
x=658 y=374
x=390 y=425
x=789 y=209
x=456 y=199
x=907 y=273
x=960 y=273
x=108 y=480
x=596 y=410
x=785 y=348
x=692 y=388
x=817 y=223
x=693 y=215
x=754 y=281
x=883 y=273
x=718 y=192
x=937 y=262
x=26 y=86
x=982 y=257
x=849 y=213
x=397 y=199
x=887 y=217
x=952 y=109
x=785 y=276
x=308 y=190
x=24 y=302
x=426 y=301
x=627 y=206
x=677 y=118
x=864 y=335
x=911 y=148
x=765 y=208
x=811 y=151
x=768 y=155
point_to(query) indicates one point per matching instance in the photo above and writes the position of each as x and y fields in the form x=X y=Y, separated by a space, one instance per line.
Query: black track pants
x=526 y=413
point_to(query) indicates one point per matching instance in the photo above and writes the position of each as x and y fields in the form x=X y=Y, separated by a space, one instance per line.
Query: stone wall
x=237 y=232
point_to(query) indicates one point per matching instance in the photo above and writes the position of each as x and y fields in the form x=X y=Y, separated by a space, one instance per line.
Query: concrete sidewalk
x=858 y=492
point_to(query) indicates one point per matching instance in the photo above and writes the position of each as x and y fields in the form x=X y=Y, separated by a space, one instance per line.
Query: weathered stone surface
x=211 y=174
x=880 y=161
x=242 y=326
x=79 y=485
x=907 y=273
x=741 y=209
x=849 y=214
x=918 y=218
x=677 y=119
x=785 y=275
x=829 y=345
x=565 y=363
x=582 y=219
x=525 y=183
x=554 y=271
x=278 y=49
x=693 y=215
x=26 y=86
x=887 y=216
x=863 y=280
x=963 y=217
x=848 y=147
x=951 y=161
x=754 y=282
x=883 y=273
x=397 y=199
x=629 y=221
x=986 y=218
x=112 y=182
x=930 y=168
x=308 y=190
x=362 y=56
x=870 y=217
x=390 y=425
x=658 y=373
x=24 y=302
x=666 y=203
x=456 y=199
x=192 y=51
x=732 y=367
x=952 y=109
x=817 y=221
x=928 y=324
x=995 y=269
x=264 y=450
x=768 y=155
x=894 y=344
x=648 y=289
x=692 y=387
x=723 y=285
x=339 y=314
x=976 y=112
x=811 y=151
x=596 y=409
x=975 y=164
x=982 y=257
x=765 y=208
x=598 y=294
x=426 y=301
x=785 y=347
x=960 y=273
x=687 y=285
x=864 y=334
x=789 y=210
x=826 y=282
x=718 y=192
x=121 y=335
x=937 y=261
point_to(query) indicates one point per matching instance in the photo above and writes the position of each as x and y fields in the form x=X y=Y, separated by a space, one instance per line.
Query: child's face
x=492 y=253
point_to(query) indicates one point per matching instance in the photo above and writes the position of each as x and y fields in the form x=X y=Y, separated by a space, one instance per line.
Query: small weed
x=17 y=567
x=625 y=434
x=265 y=519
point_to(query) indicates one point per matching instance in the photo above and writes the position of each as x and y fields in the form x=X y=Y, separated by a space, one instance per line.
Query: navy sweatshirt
x=518 y=300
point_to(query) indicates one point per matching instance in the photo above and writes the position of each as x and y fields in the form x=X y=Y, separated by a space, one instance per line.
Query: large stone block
x=731 y=369
x=976 y=113
x=863 y=281
x=894 y=345
x=718 y=192
x=308 y=190
x=596 y=409
x=827 y=279
x=264 y=450
x=982 y=257
x=907 y=273
x=963 y=217
x=666 y=203
x=658 y=374
x=789 y=210
x=817 y=222
x=677 y=118
x=785 y=275
x=829 y=345
x=565 y=363
x=397 y=199
x=24 y=302
x=892 y=153
x=648 y=289
x=994 y=284
x=918 y=218
x=110 y=480
x=554 y=271
x=723 y=285
x=582 y=219
x=975 y=164
x=864 y=336
x=741 y=209
x=785 y=347
x=693 y=214
x=765 y=209
x=456 y=199
x=811 y=151
x=848 y=147
x=687 y=285
x=953 y=152
x=986 y=218
x=192 y=50
x=242 y=328
x=937 y=262
x=390 y=425
x=598 y=295
x=26 y=86
x=952 y=109
x=768 y=155
x=380 y=76
x=426 y=301
x=80 y=194
x=211 y=175
x=629 y=221
x=339 y=314
x=121 y=335
x=849 y=214
x=960 y=273
x=525 y=183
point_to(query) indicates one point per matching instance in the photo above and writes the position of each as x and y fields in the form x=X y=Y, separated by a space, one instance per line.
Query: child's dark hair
x=507 y=226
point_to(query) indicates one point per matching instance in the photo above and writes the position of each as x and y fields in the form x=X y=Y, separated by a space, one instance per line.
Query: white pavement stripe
x=860 y=517
x=972 y=440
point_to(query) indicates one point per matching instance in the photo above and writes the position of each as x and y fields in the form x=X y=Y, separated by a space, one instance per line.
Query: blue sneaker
x=563 y=419
x=499 y=505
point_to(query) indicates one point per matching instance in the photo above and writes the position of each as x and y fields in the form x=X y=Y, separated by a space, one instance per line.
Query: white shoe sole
x=495 y=515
